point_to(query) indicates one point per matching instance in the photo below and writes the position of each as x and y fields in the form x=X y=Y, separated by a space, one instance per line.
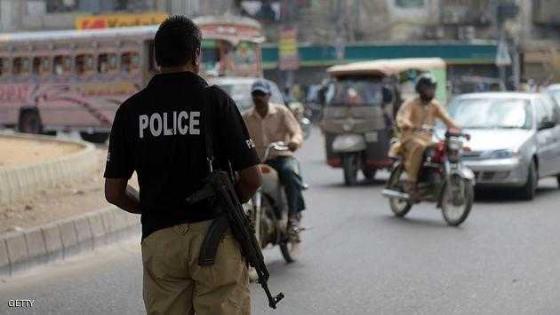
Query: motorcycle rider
x=416 y=119
x=268 y=123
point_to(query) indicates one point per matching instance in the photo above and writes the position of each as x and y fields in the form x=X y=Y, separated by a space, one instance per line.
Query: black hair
x=177 y=41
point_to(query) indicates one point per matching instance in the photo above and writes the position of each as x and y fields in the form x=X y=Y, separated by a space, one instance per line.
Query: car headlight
x=500 y=154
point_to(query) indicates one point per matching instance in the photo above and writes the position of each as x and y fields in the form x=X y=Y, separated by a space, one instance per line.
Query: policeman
x=159 y=133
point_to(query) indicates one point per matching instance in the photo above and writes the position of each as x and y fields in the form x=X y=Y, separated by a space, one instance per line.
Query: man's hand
x=248 y=183
x=406 y=125
x=293 y=146
x=121 y=195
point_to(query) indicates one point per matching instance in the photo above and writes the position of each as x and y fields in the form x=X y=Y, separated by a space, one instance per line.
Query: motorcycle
x=269 y=213
x=443 y=179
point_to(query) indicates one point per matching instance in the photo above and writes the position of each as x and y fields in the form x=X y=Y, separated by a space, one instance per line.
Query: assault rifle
x=219 y=188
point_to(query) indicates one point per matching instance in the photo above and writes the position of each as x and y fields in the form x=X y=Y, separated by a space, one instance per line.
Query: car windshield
x=241 y=94
x=556 y=95
x=488 y=113
x=357 y=91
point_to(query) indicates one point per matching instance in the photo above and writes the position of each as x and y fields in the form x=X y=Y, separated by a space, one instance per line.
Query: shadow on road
x=499 y=195
x=361 y=184
x=416 y=222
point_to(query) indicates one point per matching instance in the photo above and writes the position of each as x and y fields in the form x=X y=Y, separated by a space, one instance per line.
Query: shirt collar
x=181 y=78
x=272 y=110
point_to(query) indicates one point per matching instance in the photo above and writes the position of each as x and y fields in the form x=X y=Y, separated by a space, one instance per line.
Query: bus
x=75 y=80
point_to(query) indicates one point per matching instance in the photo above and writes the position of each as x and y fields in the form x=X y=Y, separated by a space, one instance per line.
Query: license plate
x=372 y=137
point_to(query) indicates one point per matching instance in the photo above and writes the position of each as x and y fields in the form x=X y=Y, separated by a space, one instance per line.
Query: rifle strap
x=208 y=118
x=218 y=227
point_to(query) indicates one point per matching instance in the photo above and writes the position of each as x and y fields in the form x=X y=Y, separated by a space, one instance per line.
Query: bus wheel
x=96 y=137
x=29 y=121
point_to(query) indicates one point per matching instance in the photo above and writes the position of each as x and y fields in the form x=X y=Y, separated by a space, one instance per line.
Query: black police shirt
x=159 y=133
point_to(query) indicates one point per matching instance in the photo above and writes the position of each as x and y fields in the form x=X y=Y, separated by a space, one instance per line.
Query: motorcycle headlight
x=500 y=154
x=455 y=145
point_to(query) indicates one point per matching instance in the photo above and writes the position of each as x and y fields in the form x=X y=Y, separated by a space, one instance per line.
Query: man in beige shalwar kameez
x=416 y=119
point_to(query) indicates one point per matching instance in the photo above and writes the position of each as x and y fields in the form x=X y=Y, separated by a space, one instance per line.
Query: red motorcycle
x=443 y=179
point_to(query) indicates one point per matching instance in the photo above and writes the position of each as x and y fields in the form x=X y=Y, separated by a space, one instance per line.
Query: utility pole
x=504 y=10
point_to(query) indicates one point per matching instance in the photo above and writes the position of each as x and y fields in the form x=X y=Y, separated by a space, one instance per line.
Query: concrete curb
x=19 y=181
x=22 y=250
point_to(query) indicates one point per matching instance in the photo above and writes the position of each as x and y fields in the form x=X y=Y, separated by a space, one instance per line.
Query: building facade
x=33 y=15
x=531 y=27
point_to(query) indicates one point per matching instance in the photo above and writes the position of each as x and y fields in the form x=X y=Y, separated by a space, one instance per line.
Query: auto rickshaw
x=359 y=115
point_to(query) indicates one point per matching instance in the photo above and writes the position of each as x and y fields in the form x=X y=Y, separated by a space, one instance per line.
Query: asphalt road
x=358 y=259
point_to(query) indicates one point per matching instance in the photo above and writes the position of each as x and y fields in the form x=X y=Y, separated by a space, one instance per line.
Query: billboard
x=119 y=20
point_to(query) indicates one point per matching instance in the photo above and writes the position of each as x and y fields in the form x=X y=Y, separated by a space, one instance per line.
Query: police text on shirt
x=170 y=123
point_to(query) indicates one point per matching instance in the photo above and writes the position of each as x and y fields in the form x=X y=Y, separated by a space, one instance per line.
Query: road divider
x=20 y=181
x=23 y=250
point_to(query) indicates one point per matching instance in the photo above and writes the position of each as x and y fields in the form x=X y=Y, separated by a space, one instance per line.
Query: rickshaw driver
x=416 y=119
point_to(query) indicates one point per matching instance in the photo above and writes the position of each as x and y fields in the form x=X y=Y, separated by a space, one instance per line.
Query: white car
x=239 y=88
x=515 y=138
x=554 y=91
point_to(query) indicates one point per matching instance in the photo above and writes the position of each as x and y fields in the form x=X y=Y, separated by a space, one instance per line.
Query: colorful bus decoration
x=75 y=80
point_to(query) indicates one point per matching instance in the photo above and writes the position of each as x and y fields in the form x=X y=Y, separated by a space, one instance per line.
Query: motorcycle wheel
x=266 y=229
x=399 y=207
x=456 y=208
x=350 y=168
x=288 y=250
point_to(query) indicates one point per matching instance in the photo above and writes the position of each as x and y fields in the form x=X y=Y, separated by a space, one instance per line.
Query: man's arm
x=118 y=192
x=404 y=116
x=294 y=129
x=119 y=167
x=441 y=113
x=248 y=184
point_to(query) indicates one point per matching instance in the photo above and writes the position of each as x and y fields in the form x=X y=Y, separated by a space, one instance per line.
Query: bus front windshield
x=221 y=57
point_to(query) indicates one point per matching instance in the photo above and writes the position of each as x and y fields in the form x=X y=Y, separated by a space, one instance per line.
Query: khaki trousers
x=413 y=148
x=174 y=283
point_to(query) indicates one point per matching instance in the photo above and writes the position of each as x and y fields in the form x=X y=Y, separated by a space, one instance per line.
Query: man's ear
x=197 y=57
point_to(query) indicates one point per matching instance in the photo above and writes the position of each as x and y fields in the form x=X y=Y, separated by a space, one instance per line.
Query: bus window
x=62 y=65
x=130 y=61
x=41 y=65
x=106 y=63
x=84 y=64
x=21 y=66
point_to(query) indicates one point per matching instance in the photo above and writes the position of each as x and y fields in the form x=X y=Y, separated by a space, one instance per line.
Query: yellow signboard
x=119 y=20
x=288 y=49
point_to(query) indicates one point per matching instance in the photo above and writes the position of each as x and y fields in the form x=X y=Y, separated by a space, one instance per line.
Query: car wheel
x=30 y=122
x=529 y=190
x=96 y=137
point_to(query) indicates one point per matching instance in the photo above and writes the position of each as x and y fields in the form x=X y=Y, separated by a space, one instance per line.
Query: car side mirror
x=547 y=124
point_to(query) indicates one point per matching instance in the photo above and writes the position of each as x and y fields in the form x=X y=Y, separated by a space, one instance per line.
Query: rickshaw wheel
x=369 y=174
x=350 y=168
